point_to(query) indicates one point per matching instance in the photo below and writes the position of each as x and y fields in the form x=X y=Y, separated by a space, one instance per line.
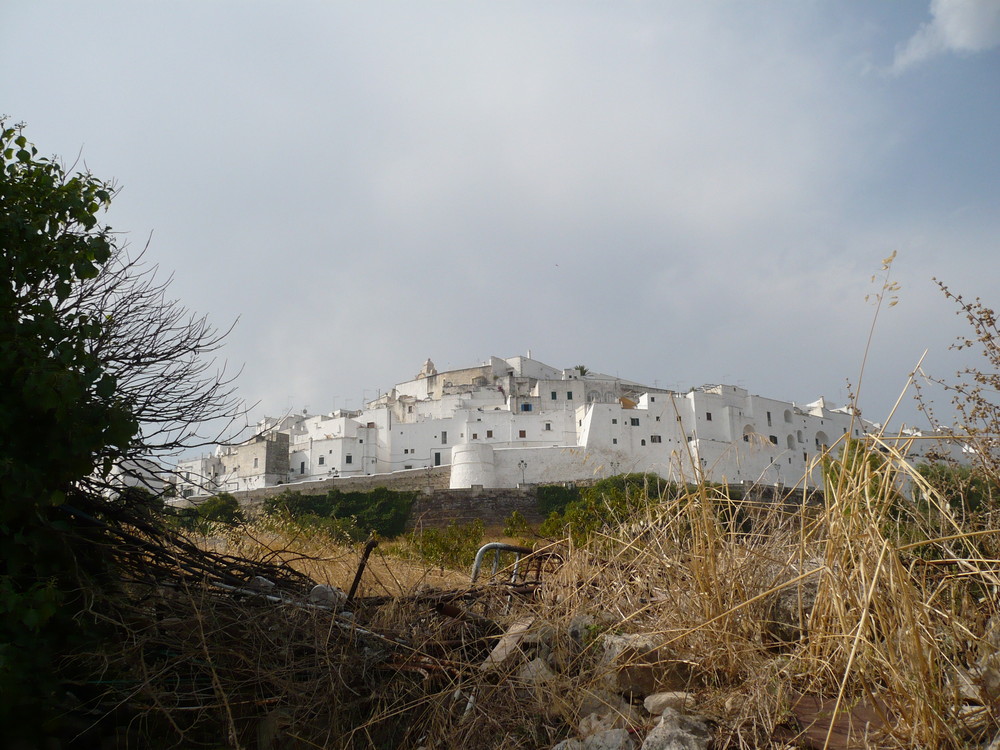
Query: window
x=614 y=421
x=489 y=433
x=409 y=410
x=444 y=437
x=475 y=436
x=255 y=461
x=769 y=419
x=614 y=441
x=407 y=466
x=634 y=421
x=322 y=461
x=554 y=395
x=708 y=416
x=302 y=467
x=548 y=427
x=652 y=399
x=360 y=441
x=773 y=439
x=348 y=459
x=437 y=458
x=569 y=395
x=525 y=407
x=657 y=419
x=655 y=439
x=522 y=433
x=746 y=437
x=642 y=442
x=804 y=457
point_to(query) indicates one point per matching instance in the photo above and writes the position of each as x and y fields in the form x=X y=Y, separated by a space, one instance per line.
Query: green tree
x=97 y=367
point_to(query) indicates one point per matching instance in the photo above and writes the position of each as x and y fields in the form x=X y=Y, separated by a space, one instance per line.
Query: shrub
x=358 y=514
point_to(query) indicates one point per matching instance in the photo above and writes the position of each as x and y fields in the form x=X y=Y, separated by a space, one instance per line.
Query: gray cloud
x=681 y=192
x=959 y=26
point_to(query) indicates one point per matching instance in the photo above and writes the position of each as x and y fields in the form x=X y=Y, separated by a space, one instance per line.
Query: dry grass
x=868 y=605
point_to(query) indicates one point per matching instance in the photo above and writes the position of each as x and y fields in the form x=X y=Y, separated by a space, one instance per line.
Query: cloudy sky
x=677 y=192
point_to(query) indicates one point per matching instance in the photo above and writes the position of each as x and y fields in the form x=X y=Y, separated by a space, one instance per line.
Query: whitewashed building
x=518 y=420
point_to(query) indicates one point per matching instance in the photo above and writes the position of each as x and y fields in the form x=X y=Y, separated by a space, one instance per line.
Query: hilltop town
x=515 y=421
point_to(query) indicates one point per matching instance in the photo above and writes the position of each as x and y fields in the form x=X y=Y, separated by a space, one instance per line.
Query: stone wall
x=491 y=506
x=422 y=480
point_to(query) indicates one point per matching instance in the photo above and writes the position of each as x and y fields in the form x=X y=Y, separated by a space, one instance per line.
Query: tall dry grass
x=876 y=602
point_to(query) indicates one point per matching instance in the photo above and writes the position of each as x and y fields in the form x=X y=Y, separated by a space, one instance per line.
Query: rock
x=525 y=637
x=259 y=583
x=677 y=731
x=789 y=608
x=637 y=667
x=623 y=716
x=536 y=672
x=508 y=645
x=676 y=699
x=611 y=739
x=570 y=744
x=599 y=702
x=326 y=595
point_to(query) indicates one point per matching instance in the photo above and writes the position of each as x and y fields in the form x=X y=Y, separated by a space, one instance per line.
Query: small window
x=804 y=456
x=655 y=439
x=746 y=437
x=255 y=461
x=657 y=419
x=437 y=458
x=635 y=421
x=569 y=395
x=489 y=433
x=642 y=442
x=409 y=410
x=614 y=421
x=444 y=437
x=348 y=459
x=548 y=427
x=360 y=441
x=652 y=399
x=769 y=419
x=614 y=441
x=322 y=461
x=525 y=407
x=773 y=439
x=302 y=467
x=475 y=436
x=708 y=416
x=522 y=433
x=407 y=466
x=554 y=395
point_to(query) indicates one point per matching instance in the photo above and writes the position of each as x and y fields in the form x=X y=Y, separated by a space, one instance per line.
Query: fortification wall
x=421 y=480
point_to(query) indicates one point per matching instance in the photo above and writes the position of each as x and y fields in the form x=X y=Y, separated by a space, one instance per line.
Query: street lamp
x=522 y=465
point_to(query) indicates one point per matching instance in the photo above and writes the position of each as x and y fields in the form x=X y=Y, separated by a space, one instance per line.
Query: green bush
x=222 y=508
x=453 y=547
x=604 y=504
x=555 y=497
x=357 y=514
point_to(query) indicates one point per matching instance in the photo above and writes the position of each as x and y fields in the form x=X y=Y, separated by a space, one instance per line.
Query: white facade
x=515 y=420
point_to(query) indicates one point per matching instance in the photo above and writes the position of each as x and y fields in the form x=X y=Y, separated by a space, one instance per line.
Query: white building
x=518 y=420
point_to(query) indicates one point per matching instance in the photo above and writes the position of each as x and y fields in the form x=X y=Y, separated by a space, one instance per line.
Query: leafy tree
x=223 y=508
x=98 y=367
